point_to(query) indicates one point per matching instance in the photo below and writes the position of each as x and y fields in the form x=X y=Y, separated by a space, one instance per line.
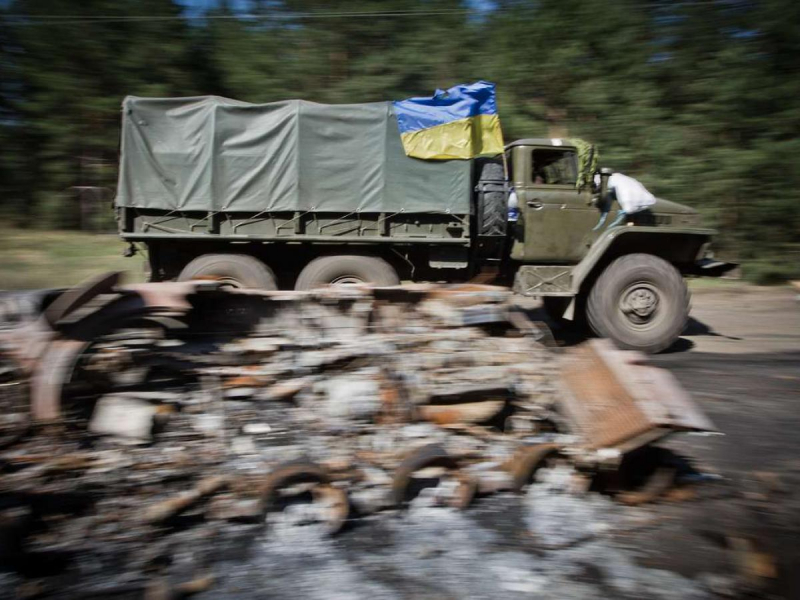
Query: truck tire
x=641 y=302
x=344 y=270
x=232 y=270
x=494 y=212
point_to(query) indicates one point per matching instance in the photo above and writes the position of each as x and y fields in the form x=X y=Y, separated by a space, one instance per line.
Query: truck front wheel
x=344 y=270
x=641 y=302
x=232 y=270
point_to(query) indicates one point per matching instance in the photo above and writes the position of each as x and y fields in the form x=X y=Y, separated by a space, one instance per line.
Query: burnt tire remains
x=405 y=488
x=332 y=504
x=641 y=302
x=527 y=461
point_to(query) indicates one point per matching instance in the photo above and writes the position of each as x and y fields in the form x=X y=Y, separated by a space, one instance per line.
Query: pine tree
x=69 y=78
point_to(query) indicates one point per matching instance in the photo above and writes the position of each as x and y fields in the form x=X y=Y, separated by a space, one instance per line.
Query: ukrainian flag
x=461 y=122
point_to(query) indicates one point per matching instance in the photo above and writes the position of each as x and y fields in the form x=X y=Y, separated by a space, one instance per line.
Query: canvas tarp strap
x=215 y=154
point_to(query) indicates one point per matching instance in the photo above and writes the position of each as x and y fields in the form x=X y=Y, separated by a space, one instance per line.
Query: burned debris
x=137 y=416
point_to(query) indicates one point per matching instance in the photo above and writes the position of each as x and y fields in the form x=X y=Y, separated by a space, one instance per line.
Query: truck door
x=556 y=218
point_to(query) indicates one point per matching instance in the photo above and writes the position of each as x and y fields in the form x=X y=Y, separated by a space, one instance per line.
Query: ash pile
x=142 y=424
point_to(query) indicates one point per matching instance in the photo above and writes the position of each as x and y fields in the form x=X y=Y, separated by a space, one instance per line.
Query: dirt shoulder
x=740 y=319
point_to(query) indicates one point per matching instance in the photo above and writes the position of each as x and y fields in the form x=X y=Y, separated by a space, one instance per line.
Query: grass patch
x=31 y=259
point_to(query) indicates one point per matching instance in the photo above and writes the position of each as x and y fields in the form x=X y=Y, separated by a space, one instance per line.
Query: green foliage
x=771 y=270
x=58 y=210
x=700 y=100
x=68 y=79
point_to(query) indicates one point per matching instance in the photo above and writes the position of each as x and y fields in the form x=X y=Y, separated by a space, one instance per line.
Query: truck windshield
x=554 y=166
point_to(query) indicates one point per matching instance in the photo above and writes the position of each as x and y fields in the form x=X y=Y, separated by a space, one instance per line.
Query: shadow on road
x=567 y=336
x=695 y=327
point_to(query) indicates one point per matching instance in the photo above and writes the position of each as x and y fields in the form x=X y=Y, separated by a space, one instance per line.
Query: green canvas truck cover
x=219 y=155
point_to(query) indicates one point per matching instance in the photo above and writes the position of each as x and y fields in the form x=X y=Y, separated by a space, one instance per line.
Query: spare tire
x=346 y=270
x=231 y=270
x=493 y=200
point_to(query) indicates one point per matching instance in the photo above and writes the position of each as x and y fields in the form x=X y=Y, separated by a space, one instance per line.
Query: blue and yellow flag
x=461 y=122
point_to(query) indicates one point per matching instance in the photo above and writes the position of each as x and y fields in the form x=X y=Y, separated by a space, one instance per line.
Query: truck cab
x=590 y=262
x=558 y=218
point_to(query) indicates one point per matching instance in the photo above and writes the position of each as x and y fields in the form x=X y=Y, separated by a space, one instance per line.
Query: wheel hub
x=639 y=303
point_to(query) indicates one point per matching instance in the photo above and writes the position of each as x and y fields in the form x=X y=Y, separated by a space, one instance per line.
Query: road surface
x=740 y=358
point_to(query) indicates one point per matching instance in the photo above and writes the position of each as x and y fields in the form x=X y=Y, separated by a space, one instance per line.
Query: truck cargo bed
x=188 y=158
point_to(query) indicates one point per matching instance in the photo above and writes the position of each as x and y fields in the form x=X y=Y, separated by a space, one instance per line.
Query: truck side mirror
x=605 y=173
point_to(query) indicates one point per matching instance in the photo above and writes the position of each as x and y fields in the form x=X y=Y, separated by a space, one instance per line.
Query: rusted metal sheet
x=615 y=400
x=657 y=393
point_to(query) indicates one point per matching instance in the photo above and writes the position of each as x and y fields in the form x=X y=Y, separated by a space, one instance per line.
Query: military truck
x=296 y=195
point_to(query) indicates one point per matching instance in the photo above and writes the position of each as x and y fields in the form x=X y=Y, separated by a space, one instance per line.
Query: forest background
x=700 y=99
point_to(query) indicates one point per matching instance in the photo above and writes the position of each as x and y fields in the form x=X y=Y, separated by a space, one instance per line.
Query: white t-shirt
x=631 y=194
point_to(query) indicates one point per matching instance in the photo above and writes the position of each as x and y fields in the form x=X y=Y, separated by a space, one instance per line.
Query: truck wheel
x=345 y=270
x=641 y=302
x=231 y=270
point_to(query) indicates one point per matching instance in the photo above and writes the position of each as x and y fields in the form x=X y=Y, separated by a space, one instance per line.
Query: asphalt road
x=740 y=359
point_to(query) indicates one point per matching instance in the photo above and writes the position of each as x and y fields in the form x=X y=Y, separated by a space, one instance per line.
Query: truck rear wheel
x=345 y=270
x=641 y=302
x=232 y=270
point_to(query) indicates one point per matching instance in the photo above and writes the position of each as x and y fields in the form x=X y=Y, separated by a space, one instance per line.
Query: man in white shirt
x=631 y=195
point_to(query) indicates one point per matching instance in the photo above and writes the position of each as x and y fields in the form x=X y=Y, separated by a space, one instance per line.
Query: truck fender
x=681 y=249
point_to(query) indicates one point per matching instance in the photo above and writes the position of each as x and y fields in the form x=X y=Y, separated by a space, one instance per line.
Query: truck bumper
x=711 y=267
